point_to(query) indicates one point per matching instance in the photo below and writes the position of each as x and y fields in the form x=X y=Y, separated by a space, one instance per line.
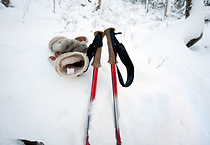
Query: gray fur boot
x=70 y=58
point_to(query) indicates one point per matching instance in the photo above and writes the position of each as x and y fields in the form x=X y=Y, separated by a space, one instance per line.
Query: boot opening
x=72 y=65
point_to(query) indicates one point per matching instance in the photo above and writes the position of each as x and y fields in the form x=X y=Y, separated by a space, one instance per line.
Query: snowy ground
x=167 y=104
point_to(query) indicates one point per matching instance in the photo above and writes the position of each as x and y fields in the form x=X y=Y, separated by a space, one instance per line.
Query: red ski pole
x=96 y=64
x=115 y=105
x=112 y=61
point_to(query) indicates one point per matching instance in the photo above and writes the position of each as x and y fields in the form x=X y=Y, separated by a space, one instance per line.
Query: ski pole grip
x=112 y=59
x=97 y=58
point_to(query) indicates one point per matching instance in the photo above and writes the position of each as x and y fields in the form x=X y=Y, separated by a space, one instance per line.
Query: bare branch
x=162 y=62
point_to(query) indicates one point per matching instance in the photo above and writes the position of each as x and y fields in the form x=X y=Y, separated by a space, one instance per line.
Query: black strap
x=124 y=57
x=97 y=42
x=118 y=49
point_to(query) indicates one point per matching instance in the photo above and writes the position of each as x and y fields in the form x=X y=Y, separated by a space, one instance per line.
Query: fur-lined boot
x=70 y=58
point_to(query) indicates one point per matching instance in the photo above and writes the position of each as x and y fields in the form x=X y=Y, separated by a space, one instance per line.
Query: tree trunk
x=188 y=8
x=187 y=14
x=147 y=6
x=166 y=9
x=193 y=41
x=53 y=6
x=99 y=5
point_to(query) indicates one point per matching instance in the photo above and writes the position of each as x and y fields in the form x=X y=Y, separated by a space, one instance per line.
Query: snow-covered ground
x=167 y=104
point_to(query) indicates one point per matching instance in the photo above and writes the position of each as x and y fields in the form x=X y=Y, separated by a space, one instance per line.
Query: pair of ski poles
x=95 y=51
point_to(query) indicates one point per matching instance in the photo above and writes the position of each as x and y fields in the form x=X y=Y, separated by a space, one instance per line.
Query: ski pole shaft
x=92 y=98
x=96 y=64
x=115 y=104
x=112 y=61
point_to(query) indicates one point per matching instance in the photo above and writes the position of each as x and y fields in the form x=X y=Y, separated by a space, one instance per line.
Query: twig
x=24 y=13
x=150 y=59
x=26 y=9
x=162 y=62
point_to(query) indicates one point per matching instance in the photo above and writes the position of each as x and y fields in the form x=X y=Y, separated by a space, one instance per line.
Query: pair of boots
x=69 y=58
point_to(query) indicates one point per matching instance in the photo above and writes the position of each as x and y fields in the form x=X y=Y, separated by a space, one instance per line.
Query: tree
x=179 y=3
x=99 y=5
x=166 y=9
x=147 y=5
x=53 y=6
x=189 y=6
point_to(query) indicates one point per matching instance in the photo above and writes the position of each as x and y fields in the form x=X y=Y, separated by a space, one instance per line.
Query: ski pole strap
x=124 y=57
x=118 y=48
x=94 y=50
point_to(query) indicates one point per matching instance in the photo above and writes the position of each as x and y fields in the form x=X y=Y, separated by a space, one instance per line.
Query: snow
x=167 y=104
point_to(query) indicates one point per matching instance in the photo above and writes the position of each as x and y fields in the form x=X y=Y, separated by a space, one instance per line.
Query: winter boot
x=70 y=58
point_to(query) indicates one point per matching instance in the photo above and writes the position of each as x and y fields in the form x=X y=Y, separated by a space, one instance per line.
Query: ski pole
x=112 y=61
x=96 y=64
